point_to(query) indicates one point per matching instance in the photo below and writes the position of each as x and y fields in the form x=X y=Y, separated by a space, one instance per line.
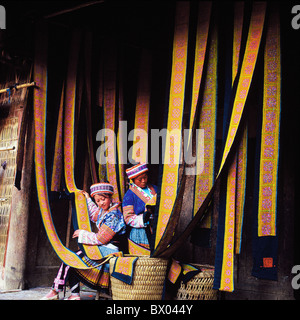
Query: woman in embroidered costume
x=137 y=214
x=110 y=238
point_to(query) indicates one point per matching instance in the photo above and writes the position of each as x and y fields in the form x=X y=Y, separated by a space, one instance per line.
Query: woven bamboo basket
x=148 y=280
x=200 y=287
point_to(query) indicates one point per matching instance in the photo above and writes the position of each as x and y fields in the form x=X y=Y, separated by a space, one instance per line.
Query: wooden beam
x=18 y=86
x=55 y=14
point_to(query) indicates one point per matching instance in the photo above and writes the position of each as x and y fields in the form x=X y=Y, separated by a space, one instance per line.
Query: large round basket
x=200 y=287
x=148 y=280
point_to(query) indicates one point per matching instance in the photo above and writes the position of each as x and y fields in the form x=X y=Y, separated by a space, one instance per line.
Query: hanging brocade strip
x=240 y=189
x=141 y=124
x=235 y=179
x=204 y=13
x=242 y=148
x=121 y=145
x=87 y=81
x=206 y=120
x=176 y=102
x=265 y=241
x=58 y=152
x=248 y=65
x=225 y=250
x=110 y=74
x=40 y=104
x=270 y=134
x=82 y=215
x=208 y=117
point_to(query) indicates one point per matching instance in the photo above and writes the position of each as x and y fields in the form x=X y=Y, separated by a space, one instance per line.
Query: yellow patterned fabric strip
x=208 y=117
x=137 y=250
x=240 y=189
x=40 y=102
x=110 y=73
x=58 y=161
x=80 y=202
x=270 y=131
x=227 y=275
x=247 y=70
x=176 y=100
x=248 y=65
x=121 y=146
x=141 y=124
x=204 y=13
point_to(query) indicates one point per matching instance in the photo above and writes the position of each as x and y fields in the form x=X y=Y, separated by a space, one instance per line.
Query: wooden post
x=18 y=230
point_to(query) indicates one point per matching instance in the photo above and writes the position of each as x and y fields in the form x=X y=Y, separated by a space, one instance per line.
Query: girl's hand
x=85 y=194
x=76 y=234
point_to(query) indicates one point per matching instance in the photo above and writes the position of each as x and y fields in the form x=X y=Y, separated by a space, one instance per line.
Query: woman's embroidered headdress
x=136 y=170
x=101 y=188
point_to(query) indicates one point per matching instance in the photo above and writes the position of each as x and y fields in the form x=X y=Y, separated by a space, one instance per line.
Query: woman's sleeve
x=93 y=210
x=130 y=218
x=104 y=235
x=112 y=224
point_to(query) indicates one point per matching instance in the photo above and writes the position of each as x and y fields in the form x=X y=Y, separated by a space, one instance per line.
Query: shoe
x=52 y=295
x=73 y=297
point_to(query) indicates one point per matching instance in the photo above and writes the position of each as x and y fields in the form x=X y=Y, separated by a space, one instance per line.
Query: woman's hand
x=85 y=194
x=76 y=234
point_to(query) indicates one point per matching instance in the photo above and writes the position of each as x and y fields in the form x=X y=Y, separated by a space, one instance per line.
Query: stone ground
x=38 y=293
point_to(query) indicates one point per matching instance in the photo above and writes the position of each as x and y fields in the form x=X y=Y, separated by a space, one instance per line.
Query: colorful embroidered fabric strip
x=265 y=240
x=188 y=272
x=124 y=268
x=141 y=124
x=208 y=116
x=58 y=152
x=121 y=146
x=232 y=221
x=137 y=250
x=247 y=70
x=269 y=153
x=240 y=189
x=97 y=276
x=237 y=36
x=248 y=65
x=225 y=251
x=40 y=102
x=242 y=148
x=176 y=101
x=204 y=12
x=227 y=275
x=80 y=202
x=87 y=82
x=174 y=272
x=110 y=73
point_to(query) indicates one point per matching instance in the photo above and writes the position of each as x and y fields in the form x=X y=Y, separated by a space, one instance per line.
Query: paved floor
x=38 y=293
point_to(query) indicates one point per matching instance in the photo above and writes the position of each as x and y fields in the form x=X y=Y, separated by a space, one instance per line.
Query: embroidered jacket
x=134 y=203
x=109 y=223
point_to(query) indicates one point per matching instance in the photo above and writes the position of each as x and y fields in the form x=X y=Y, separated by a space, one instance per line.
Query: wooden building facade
x=27 y=258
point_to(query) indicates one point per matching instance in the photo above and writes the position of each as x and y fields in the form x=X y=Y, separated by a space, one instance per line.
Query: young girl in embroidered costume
x=135 y=210
x=110 y=238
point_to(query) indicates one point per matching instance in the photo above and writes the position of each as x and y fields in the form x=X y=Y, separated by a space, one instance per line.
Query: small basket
x=200 y=287
x=148 y=280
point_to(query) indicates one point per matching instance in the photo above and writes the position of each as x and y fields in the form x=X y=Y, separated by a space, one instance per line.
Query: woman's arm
x=93 y=209
x=104 y=235
x=132 y=219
